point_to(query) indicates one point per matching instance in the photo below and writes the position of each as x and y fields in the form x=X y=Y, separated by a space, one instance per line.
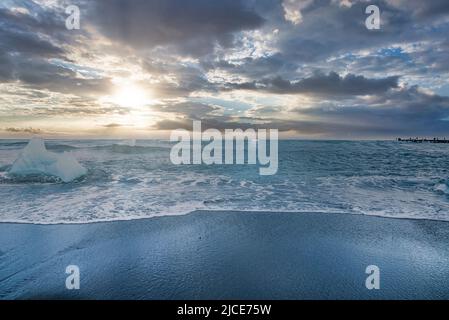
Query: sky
x=141 y=68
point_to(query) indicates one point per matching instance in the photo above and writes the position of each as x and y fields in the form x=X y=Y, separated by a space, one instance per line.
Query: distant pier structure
x=421 y=140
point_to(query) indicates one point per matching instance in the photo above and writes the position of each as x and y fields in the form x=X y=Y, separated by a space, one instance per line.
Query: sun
x=131 y=96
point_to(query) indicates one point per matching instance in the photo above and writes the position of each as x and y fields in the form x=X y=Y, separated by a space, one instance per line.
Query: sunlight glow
x=131 y=96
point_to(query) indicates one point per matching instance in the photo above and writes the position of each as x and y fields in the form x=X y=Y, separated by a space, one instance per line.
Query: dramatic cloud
x=307 y=68
x=405 y=111
x=193 y=27
x=401 y=112
x=321 y=84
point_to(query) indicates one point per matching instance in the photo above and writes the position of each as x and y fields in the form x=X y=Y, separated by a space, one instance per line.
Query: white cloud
x=292 y=10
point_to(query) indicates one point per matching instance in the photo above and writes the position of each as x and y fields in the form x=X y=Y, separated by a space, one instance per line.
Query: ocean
x=128 y=180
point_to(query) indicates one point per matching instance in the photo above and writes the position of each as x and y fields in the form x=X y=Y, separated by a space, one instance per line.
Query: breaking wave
x=123 y=180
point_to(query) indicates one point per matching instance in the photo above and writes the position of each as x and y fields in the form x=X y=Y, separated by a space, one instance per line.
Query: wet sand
x=228 y=255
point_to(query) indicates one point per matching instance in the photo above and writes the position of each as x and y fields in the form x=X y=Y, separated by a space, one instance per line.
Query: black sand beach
x=228 y=255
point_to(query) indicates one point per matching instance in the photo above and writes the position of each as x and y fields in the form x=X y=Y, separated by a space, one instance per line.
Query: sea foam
x=442 y=188
x=36 y=160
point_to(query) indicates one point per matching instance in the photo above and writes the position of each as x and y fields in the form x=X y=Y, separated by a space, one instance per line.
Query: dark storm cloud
x=322 y=84
x=40 y=73
x=329 y=30
x=29 y=43
x=36 y=19
x=19 y=42
x=193 y=27
x=403 y=112
x=34 y=31
x=254 y=68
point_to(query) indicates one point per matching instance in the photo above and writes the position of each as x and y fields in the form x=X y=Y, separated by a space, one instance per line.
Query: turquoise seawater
x=130 y=181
